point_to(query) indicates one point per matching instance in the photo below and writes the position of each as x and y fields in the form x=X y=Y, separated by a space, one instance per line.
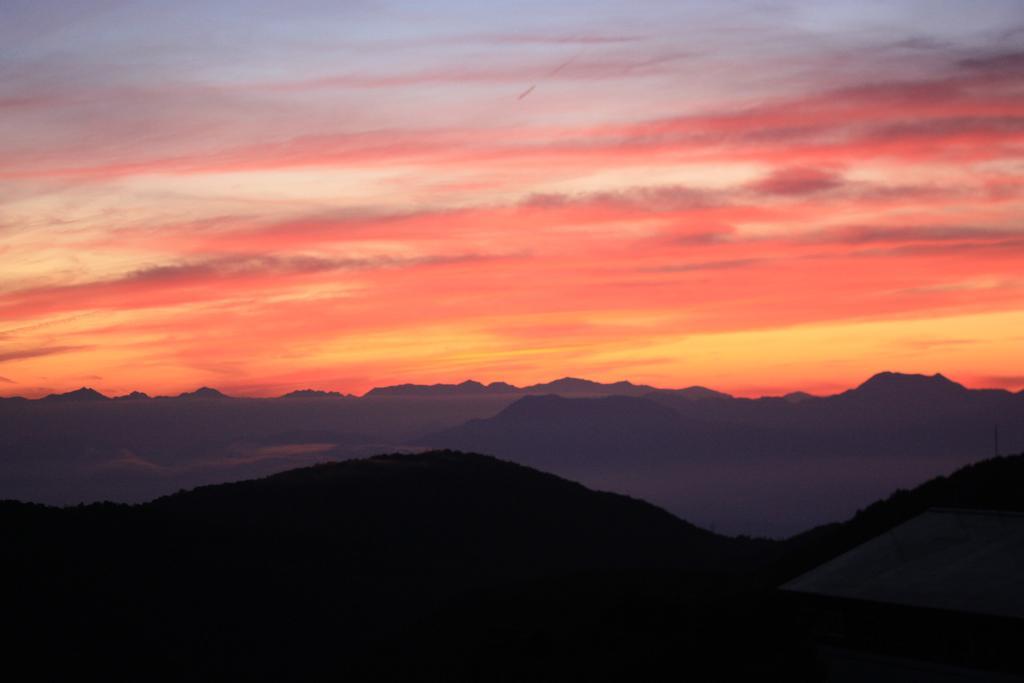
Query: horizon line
x=500 y=384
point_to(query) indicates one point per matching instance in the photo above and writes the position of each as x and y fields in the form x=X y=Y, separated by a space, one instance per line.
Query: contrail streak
x=551 y=73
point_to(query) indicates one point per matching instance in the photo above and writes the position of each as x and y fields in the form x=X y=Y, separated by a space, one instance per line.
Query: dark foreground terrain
x=435 y=566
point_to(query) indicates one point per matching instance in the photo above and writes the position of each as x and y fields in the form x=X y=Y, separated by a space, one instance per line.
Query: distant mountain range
x=767 y=466
x=886 y=382
x=315 y=393
x=714 y=460
x=883 y=383
x=90 y=394
x=83 y=394
x=567 y=386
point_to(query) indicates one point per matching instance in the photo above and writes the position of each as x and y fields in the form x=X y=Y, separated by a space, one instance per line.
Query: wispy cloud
x=798 y=181
x=203 y=281
x=1011 y=381
x=705 y=265
x=23 y=354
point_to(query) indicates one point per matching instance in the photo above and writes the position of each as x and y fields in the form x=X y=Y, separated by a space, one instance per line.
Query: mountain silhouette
x=467 y=388
x=566 y=386
x=314 y=393
x=83 y=394
x=302 y=571
x=439 y=506
x=695 y=393
x=910 y=391
x=202 y=392
x=133 y=396
x=553 y=431
x=571 y=386
x=890 y=383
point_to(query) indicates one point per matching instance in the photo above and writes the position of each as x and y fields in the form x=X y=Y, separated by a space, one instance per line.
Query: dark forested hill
x=994 y=484
x=296 y=573
x=449 y=511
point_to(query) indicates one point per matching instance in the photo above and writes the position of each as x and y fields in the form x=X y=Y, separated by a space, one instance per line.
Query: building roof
x=963 y=560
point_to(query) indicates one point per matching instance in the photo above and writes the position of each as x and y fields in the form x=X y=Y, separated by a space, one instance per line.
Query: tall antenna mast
x=997 y=439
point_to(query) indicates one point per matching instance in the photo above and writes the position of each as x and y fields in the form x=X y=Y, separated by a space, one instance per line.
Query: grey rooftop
x=963 y=560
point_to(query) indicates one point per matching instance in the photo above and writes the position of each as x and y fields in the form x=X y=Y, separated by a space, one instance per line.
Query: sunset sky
x=755 y=196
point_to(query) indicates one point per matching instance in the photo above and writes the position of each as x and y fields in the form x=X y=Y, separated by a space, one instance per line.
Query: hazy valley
x=764 y=467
